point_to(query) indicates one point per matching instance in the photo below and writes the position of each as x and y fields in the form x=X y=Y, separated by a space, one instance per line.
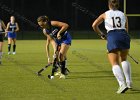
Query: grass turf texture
x=91 y=77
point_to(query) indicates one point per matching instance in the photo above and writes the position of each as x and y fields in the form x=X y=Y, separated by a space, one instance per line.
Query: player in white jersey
x=118 y=43
x=2 y=28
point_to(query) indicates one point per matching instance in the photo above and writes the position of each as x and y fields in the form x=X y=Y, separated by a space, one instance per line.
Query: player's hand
x=44 y=31
x=49 y=60
x=59 y=36
x=103 y=36
x=5 y=34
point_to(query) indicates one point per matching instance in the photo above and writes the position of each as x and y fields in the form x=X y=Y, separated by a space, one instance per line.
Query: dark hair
x=43 y=19
x=114 y=4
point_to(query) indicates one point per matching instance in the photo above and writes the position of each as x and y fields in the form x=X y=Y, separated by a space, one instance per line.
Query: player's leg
x=1 y=45
x=66 y=69
x=62 y=55
x=9 y=45
x=14 y=45
x=55 y=56
x=126 y=67
x=117 y=71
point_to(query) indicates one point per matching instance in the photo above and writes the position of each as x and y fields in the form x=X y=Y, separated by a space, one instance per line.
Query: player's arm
x=48 y=49
x=3 y=25
x=62 y=25
x=96 y=24
x=17 y=27
x=7 y=28
x=126 y=24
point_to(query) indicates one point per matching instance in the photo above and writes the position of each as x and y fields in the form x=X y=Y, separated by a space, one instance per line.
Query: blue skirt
x=66 y=39
x=11 y=35
x=118 y=39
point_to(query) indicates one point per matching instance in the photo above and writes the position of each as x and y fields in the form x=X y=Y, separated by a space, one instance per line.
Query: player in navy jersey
x=12 y=29
x=57 y=34
x=118 y=43
x=2 y=29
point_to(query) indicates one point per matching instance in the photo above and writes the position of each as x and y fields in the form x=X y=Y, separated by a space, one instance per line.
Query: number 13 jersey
x=114 y=19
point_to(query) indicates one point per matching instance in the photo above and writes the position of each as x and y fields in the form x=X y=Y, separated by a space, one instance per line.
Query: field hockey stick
x=41 y=70
x=133 y=59
x=84 y=10
x=89 y=13
x=6 y=32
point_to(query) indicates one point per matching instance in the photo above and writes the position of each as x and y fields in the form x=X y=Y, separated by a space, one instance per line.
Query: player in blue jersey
x=118 y=43
x=57 y=34
x=2 y=29
x=12 y=29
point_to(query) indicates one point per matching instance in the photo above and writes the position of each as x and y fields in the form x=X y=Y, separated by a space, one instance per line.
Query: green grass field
x=91 y=75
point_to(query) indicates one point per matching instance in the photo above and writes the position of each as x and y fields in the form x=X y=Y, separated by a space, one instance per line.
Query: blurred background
x=27 y=11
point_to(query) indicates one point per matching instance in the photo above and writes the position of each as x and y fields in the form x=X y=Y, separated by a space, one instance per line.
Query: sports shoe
x=50 y=77
x=129 y=85
x=62 y=76
x=14 y=53
x=9 y=53
x=122 y=89
x=57 y=73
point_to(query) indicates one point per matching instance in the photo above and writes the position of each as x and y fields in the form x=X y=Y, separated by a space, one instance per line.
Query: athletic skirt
x=118 y=39
x=66 y=39
x=11 y=35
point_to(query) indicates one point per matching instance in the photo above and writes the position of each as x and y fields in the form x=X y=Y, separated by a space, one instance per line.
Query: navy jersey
x=52 y=31
x=12 y=27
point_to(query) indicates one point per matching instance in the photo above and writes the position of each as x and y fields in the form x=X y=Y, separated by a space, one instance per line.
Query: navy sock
x=14 y=48
x=9 y=47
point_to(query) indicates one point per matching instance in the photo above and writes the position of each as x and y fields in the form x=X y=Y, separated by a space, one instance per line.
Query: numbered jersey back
x=115 y=19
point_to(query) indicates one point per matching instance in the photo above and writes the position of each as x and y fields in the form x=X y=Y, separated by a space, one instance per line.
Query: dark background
x=27 y=12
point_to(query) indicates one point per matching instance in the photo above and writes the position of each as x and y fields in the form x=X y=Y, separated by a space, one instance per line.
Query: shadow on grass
x=90 y=75
x=134 y=91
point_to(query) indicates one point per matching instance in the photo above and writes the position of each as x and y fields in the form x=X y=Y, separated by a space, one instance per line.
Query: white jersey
x=114 y=19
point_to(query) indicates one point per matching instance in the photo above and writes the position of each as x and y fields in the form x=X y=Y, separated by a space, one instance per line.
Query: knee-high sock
x=127 y=71
x=14 y=48
x=62 y=65
x=117 y=71
x=0 y=56
x=9 y=47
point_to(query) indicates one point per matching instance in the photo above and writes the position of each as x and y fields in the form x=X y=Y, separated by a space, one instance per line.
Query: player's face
x=42 y=24
x=12 y=19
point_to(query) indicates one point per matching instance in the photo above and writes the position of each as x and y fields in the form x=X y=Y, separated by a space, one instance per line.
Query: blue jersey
x=12 y=27
x=66 y=38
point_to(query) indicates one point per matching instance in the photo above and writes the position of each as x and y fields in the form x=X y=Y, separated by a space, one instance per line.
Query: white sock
x=117 y=71
x=0 y=56
x=127 y=71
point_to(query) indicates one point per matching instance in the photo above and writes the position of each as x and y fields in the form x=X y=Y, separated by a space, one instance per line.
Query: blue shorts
x=66 y=39
x=12 y=35
x=118 y=39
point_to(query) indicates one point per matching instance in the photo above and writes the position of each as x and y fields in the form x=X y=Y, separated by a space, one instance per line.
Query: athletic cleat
x=62 y=76
x=122 y=89
x=9 y=53
x=57 y=73
x=50 y=77
x=129 y=85
x=14 y=53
